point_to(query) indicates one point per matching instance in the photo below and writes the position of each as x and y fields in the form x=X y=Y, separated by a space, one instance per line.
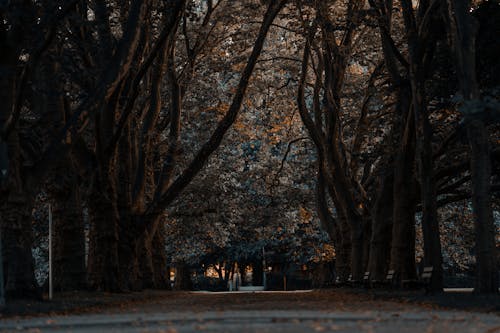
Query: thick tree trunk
x=227 y=271
x=146 y=262
x=343 y=253
x=430 y=224
x=328 y=223
x=367 y=235
x=16 y=224
x=425 y=163
x=403 y=228
x=161 y=272
x=17 y=242
x=463 y=30
x=486 y=265
x=257 y=273
x=103 y=263
x=242 y=268
x=380 y=245
x=69 y=240
x=128 y=249
x=357 y=249
x=182 y=277
x=418 y=41
x=153 y=262
x=334 y=229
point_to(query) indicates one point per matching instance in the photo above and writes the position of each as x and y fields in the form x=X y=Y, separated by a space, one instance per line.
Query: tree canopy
x=172 y=132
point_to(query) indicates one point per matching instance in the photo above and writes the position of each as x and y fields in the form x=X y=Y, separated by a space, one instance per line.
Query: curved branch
x=31 y=64
x=159 y=204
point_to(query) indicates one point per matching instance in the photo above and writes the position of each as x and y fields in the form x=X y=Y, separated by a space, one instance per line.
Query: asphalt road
x=292 y=321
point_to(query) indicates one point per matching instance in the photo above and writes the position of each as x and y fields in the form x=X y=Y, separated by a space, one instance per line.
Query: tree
x=463 y=28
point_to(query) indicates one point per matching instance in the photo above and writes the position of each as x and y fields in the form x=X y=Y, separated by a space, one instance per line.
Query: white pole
x=50 y=252
x=264 y=281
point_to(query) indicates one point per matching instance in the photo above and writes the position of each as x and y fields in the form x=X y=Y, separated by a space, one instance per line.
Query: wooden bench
x=350 y=281
x=358 y=283
x=338 y=283
x=426 y=277
x=424 y=281
x=366 y=280
x=390 y=278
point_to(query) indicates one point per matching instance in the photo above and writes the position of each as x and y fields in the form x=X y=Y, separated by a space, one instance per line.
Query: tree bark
x=430 y=224
x=463 y=29
x=367 y=235
x=485 y=250
x=257 y=272
x=161 y=273
x=380 y=244
x=419 y=38
x=145 y=256
x=17 y=242
x=403 y=228
x=182 y=277
x=16 y=223
x=69 y=238
x=344 y=253
x=103 y=263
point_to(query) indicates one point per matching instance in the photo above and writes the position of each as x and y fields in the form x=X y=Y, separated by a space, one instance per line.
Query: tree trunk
x=153 y=261
x=161 y=273
x=146 y=262
x=16 y=206
x=380 y=245
x=418 y=41
x=486 y=265
x=357 y=249
x=128 y=249
x=242 y=268
x=103 y=264
x=257 y=272
x=430 y=224
x=463 y=30
x=367 y=235
x=16 y=223
x=343 y=253
x=182 y=277
x=69 y=239
x=17 y=242
x=403 y=228
x=328 y=223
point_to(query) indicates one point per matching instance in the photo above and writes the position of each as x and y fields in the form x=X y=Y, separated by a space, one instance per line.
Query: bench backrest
x=366 y=276
x=427 y=273
x=390 y=275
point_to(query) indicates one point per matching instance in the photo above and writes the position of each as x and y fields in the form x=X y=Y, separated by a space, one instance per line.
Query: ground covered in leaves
x=323 y=300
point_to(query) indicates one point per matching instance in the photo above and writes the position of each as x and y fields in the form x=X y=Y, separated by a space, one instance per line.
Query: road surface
x=292 y=313
x=262 y=321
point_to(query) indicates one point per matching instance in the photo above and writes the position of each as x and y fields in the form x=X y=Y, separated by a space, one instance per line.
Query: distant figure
x=236 y=278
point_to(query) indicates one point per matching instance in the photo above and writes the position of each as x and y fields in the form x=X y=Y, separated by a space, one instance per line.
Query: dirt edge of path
x=339 y=299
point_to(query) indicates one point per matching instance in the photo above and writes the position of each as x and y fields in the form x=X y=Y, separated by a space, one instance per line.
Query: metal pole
x=264 y=268
x=50 y=252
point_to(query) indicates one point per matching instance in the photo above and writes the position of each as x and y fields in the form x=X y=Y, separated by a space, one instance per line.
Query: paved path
x=293 y=321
